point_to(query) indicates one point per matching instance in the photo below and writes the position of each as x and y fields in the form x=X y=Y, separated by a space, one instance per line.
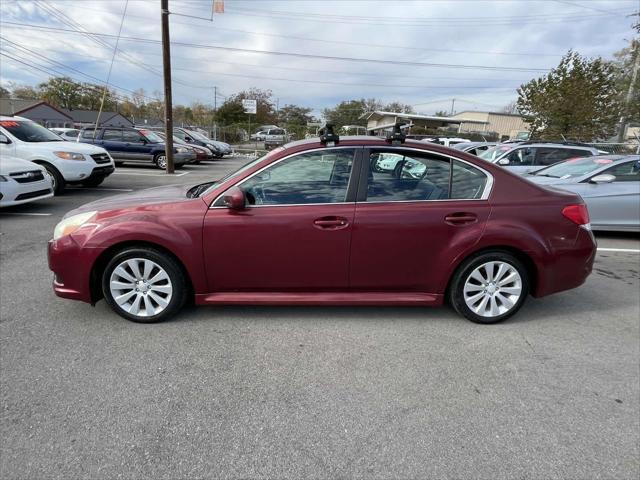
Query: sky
x=420 y=52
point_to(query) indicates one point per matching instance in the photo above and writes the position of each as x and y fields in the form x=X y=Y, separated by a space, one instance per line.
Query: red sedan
x=350 y=221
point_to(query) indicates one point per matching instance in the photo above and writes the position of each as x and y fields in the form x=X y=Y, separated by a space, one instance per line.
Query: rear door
x=412 y=219
x=137 y=147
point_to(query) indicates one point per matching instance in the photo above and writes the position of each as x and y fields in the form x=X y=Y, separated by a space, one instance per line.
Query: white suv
x=66 y=162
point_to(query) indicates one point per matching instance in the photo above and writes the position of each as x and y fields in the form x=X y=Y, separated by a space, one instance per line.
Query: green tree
x=61 y=92
x=25 y=92
x=442 y=113
x=4 y=93
x=398 y=107
x=294 y=115
x=231 y=111
x=576 y=100
x=350 y=112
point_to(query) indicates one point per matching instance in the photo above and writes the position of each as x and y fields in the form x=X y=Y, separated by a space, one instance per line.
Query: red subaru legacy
x=332 y=221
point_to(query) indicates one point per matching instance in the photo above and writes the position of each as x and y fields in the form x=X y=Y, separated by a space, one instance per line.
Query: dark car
x=196 y=138
x=136 y=145
x=318 y=222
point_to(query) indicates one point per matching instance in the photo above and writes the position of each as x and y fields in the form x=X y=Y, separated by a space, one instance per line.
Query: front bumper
x=15 y=193
x=72 y=268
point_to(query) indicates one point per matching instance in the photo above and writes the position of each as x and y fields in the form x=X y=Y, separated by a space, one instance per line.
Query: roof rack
x=328 y=137
x=397 y=136
x=558 y=142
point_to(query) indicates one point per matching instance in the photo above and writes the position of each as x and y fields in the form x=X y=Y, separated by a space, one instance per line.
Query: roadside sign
x=250 y=106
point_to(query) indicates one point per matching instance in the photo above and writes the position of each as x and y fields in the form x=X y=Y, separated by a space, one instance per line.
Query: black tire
x=161 y=161
x=94 y=182
x=174 y=271
x=58 y=181
x=456 y=289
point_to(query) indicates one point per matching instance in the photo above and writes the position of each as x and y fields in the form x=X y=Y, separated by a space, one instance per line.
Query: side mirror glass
x=234 y=199
x=603 y=178
x=4 y=139
x=503 y=161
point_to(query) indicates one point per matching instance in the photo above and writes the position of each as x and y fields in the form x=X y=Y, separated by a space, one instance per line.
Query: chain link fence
x=618 y=148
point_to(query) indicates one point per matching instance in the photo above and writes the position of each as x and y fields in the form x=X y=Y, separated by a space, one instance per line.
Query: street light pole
x=168 y=104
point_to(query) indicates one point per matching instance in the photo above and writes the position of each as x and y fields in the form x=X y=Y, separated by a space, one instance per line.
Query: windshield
x=198 y=136
x=29 y=131
x=152 y=136
x=200 y=189
x=576 y=167
x=495 y=152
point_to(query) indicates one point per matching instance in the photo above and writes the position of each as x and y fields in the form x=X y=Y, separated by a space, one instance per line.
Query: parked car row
x=71 y=156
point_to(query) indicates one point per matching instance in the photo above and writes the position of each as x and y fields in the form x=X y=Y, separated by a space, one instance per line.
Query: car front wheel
x=144 y=285
x=161 y=161
x=489 y=287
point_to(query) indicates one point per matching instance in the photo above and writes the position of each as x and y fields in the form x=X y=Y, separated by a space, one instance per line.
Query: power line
x=339 y=42
x=295 y=54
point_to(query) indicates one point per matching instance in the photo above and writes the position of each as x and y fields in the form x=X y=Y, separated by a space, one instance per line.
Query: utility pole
x=630 y=92
x=168 y=104
x=453 y=103
x=215 y=113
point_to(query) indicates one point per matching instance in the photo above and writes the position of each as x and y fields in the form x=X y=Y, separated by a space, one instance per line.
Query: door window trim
x=352 y=187
x=364 y=177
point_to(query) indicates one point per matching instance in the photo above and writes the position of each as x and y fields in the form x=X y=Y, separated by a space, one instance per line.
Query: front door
x=295 y=231
x=412 y=218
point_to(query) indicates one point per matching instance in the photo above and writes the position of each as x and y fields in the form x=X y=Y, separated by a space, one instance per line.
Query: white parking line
x=152 y=174
x=623 y=250
x=105 y=189
x=33 y=214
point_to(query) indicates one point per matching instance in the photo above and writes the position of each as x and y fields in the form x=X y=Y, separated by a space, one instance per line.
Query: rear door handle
x=460 y=218
x=330 y=223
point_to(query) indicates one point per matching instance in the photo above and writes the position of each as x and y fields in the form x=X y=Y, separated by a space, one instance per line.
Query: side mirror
x=188 y=139
x=503 y=161
x=234 y=199
x=4 y=140
x=603 y=178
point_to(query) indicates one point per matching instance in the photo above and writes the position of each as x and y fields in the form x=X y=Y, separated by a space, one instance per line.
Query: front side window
x=399 y=176
x=314 y=177
x=625 y=172
x=28 y=131
x=521 y=157
x=153 y=137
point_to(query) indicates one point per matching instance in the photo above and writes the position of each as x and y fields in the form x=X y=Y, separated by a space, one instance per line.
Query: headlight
x=213 y=148
x=182 y=150
x=69 y=155
x=208 y=150
x=3 y=178
x=71 y=224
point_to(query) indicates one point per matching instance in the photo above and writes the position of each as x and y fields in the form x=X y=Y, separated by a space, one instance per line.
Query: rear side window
x=549 y=156
x=407 y=176
x=112 y=135
x=400 y=176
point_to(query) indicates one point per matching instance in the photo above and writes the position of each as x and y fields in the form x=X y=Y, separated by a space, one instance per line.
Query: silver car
x=474 y=148
x=609 y=185
x=528 y=157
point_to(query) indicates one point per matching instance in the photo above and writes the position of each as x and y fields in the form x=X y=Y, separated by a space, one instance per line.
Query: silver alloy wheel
x=162 y=161
x=54 y=182
x=140 y=287
x=492 y=289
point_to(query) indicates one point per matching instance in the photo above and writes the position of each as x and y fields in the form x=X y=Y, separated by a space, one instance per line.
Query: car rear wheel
x=57 y=179
x=489 y=288
x=144 y=285
x=161 y=161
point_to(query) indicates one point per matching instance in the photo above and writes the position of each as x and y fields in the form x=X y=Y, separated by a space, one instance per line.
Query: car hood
x=139 y=199
x=12 y=164
x=66 y=146
x=540 y=180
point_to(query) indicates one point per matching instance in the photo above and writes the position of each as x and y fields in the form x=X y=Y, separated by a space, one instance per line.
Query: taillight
x=578 y=214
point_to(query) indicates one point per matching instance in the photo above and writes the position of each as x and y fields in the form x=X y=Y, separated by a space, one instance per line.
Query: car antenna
x=328 y=137
x=397 y=136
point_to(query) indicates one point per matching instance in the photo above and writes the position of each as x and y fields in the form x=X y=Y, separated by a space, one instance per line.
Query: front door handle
x=330 y=223
x=461 y=218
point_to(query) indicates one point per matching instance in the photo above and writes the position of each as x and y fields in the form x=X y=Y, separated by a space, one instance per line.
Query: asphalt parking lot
x=312 y=392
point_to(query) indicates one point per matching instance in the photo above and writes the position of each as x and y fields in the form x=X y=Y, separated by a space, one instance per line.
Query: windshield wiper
x=196 y=191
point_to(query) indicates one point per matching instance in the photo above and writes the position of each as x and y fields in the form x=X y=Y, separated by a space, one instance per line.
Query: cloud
x=514 y=34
